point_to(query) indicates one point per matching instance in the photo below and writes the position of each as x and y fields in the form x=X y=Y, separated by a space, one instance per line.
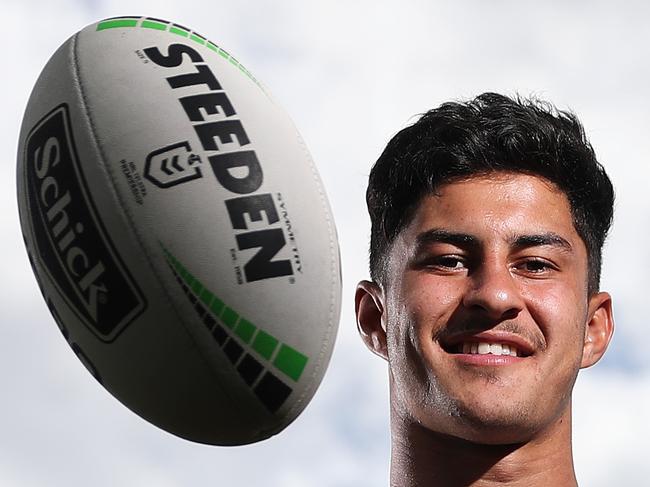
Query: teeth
x=483 y=348
x=495 y=349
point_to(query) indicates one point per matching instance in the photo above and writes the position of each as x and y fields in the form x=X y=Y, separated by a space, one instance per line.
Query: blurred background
x=350 y=74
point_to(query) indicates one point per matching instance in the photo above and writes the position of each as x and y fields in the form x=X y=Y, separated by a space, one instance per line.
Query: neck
x=423 y=458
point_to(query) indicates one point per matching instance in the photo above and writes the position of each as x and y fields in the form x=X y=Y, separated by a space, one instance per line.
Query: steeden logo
x=69 y=236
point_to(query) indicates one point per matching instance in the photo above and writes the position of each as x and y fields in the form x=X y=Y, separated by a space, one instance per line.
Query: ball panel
x=153 y=349
x=205 y=205
x=279 y=148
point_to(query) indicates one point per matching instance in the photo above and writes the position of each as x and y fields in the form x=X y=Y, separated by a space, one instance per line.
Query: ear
x=369 y=308
x=599 y=329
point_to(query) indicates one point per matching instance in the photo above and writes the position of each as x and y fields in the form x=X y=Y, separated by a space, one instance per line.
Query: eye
x=452 y=262
x=536 y=266
x=447 y=262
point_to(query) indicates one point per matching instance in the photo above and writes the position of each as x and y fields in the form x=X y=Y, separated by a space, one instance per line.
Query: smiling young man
x=488 y=221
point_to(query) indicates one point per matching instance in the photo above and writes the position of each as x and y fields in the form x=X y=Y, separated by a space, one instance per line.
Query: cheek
x=428 y=299
x=407 y=373
x=560 y=314
x=416 y=313
x=559 y=310
x=422 y=307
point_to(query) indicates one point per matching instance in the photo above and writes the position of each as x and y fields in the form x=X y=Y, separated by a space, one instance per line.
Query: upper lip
x=492 y=336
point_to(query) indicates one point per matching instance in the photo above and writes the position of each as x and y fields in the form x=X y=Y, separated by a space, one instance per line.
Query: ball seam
x=85 y=106
x=333 y=247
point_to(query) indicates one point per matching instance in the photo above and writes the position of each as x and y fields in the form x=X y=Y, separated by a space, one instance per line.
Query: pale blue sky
x=350 y=74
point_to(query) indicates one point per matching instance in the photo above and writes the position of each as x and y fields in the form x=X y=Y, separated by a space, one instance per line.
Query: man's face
x=491 y=263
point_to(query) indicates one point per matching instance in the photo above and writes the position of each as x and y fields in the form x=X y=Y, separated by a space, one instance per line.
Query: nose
x=493 y=292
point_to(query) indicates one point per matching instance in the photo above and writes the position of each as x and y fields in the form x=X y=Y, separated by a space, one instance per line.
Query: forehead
x=495 y=207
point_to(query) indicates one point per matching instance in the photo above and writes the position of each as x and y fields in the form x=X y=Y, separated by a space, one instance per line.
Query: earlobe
x=369 y=309
x=599 y=329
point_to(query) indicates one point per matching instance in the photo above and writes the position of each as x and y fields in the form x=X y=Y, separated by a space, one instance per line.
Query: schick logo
x=69 y=237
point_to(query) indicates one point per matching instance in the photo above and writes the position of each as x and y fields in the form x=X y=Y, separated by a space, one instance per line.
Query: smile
x=484 y=348
x=488 y=346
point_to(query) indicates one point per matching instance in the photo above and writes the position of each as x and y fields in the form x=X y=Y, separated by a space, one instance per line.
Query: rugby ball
x=178 y=230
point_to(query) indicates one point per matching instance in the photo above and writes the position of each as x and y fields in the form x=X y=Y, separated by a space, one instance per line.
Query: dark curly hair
x=490 y=133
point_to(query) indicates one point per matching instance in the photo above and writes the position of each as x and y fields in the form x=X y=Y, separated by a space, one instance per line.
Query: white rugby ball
x=179 y=231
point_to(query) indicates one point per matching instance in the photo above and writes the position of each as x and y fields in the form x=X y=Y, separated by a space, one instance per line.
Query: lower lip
x=486 y=359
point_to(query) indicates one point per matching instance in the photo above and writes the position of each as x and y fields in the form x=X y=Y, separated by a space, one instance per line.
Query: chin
x=496 y=433
x=490 y=424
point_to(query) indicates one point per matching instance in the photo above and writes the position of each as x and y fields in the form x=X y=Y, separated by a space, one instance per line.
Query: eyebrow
x=543 y=239
x=439 y=235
